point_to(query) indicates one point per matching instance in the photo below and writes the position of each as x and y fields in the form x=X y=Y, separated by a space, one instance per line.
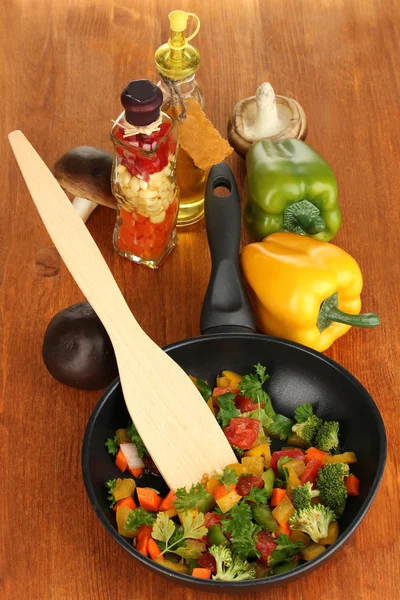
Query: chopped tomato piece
x=207 y=561
x=245 y=404
x=219 y=391
x=242 y=432
x=265 y=545
x=247 y=482
x=211 y=518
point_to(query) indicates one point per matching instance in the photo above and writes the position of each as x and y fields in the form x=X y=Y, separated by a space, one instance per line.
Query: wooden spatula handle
x=73 y=240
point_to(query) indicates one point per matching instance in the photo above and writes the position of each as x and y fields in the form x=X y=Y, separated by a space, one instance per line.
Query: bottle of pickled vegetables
x=177 y=63
x=143 y=178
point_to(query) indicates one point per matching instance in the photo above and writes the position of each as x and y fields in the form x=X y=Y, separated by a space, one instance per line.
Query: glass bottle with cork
x=177 y=63
x=143 y=179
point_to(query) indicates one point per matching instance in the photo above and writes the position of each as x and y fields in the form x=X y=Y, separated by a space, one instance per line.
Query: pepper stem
x=303 y=217
x=364 y=320
x=329 y=313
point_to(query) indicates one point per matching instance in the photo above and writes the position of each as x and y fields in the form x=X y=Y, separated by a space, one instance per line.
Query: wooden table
x=64 y=66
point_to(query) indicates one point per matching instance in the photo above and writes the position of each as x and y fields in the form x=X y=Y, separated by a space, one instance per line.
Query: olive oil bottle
x=177 y=63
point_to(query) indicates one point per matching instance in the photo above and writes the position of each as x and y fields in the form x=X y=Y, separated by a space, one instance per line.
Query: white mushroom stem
x=265 y=121
x=83 y=207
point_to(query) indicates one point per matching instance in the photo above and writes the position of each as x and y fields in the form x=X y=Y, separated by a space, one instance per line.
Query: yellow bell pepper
x=261 y=450
x=228 y=501
x=304 y=290
x=235 y=378
x=253 y=464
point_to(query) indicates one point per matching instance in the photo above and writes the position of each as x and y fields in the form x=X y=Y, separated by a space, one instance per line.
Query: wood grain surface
x=63 y=65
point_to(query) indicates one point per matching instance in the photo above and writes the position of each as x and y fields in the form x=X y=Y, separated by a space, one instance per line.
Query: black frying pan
x=298 y=374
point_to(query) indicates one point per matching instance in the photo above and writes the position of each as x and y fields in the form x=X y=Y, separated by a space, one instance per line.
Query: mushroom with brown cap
x=85 y=171
x=265 y=116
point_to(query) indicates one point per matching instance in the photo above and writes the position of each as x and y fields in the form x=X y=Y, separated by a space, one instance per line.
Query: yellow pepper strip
x=290 y=277
x=235 y=378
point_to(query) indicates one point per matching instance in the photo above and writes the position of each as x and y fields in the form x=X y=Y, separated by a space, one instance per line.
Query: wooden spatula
x=176 y=425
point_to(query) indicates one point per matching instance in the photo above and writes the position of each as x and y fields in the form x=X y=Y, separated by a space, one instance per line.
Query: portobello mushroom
x=77 y=350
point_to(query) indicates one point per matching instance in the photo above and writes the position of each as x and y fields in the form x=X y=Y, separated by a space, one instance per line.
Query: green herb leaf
x=191 y=549
x=243 y=531
x=303 y=412
x=257 y=496
x=228 y=477
x=261 y=415
x=281 y=426
x=227 y=409
x=112 y=445
x=240 y=517
x=193 y=526
x=187 y=500
x=110 y=485
x=204 y=389
x=284 y=551
x=251 y=387
x=245 y=545
x=137 y=440
x=163 y=528
x=139 y=517
x=176 y=539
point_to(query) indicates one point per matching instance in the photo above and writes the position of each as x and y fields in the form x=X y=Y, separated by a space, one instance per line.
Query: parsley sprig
x=137 y=440
x=285 y=550
x=251 y=387
x=242 y=530
x=227 y=409
x=203 y=388
x=303 y=412
x=184 y=540
x=187 y=500
x=228 y=477
x=258 y=496
x=110 y=485
x=112 y=445
x=139 y=517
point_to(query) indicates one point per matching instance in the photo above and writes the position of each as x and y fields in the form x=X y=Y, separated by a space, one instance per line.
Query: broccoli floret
x=302 y=495
x=231 y=567
x=332 y=489
x=313 y=521
x=308 y=429
x=327 y=437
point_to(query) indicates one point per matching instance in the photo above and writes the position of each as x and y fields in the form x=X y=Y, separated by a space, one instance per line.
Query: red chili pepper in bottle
x=143 y=178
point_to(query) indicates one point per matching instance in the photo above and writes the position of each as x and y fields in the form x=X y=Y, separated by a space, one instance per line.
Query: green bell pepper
x=263 y=516
x=290 y=187
x=215 y=536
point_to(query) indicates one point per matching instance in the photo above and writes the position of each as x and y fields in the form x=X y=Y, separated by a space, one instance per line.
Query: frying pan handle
x=226 y=307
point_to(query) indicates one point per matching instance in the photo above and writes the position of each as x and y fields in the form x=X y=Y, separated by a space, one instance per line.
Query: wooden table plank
x=64 y=65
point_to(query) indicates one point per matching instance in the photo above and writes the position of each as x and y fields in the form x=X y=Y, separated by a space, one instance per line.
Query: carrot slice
x=314 y=453
x=154 y=550
x=148 y=499
x=284 y=528
x=201 y=573
x=143 y=532
x=352 y=484
x=135 y=472
x=129 y=502
x=167 y=502
x=277 y=496
x=221 y=491
x=142 y=546
x=120 y=461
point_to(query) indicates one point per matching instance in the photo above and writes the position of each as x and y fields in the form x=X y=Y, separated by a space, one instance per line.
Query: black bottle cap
x=141 y=100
